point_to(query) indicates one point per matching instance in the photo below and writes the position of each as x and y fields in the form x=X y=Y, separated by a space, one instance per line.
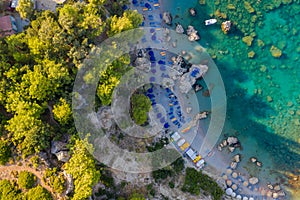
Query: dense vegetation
x=26 y=180
x=5 y=152
x=194 y=181
x=8 y=191
x=82 y=167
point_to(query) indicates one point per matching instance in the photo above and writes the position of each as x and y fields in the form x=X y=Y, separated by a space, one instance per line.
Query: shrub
x=26 y=180
x=38 y=193
x=5 y=152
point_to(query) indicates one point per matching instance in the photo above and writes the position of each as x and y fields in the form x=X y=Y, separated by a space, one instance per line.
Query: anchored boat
x=210 y=22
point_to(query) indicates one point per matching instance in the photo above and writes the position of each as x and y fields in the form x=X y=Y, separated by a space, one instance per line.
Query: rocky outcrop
x=60 y=150
x=179 y=29
x=70 y=182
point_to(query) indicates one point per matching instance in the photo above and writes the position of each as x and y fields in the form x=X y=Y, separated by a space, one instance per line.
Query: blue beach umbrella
x=166 y=125
x=153 y=71
x=152 y=79
x=162 y=67
x=161 y=62
x=147 y=5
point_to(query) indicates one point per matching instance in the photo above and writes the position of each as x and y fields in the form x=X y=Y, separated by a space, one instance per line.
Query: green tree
x=5 y=152
x=8 y=191
x=38 y=193
x=82 y=167
x=140 y=105
x=62 y=111
x=129 y=20
x=26 y=180
x=110 y=78
x=30 y=134
x=25 y=8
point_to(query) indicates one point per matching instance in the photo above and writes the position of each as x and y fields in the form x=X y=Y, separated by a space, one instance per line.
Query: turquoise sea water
x=263 y=93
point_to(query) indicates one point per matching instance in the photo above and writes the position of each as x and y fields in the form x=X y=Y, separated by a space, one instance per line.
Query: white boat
x=210 y=22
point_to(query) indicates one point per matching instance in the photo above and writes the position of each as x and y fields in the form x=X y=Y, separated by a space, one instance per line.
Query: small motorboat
x=210 y=22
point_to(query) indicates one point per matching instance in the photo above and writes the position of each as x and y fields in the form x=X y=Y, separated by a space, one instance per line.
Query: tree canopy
x=82 y=167
x=5 y=152
x=129 y=20
x=62 y=111
x=8 y=191
x=194 y=181
x=38 y=193
x=25 y=8
x=140 y=105
x=26 y=180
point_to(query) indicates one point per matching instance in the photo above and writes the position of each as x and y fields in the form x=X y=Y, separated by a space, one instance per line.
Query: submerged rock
x=276 y=52
x=248 y=7
x=251 y=54
x=248 y=40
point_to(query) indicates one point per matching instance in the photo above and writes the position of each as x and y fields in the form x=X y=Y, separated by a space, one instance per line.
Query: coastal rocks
x=232 y=141
x=192 y=34
x=276 y=52
x=179 y=29
x=167 y=17
x=253 y=180
x=192 y=12
x=254 y=160
x=247 y=40
x=231 y=149
x=226 y=26
x=259 y=164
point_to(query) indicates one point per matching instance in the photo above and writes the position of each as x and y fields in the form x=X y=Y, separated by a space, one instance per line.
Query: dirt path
x=5 y=173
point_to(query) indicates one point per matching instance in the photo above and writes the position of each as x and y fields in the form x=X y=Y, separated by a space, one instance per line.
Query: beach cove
x=262 y=91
